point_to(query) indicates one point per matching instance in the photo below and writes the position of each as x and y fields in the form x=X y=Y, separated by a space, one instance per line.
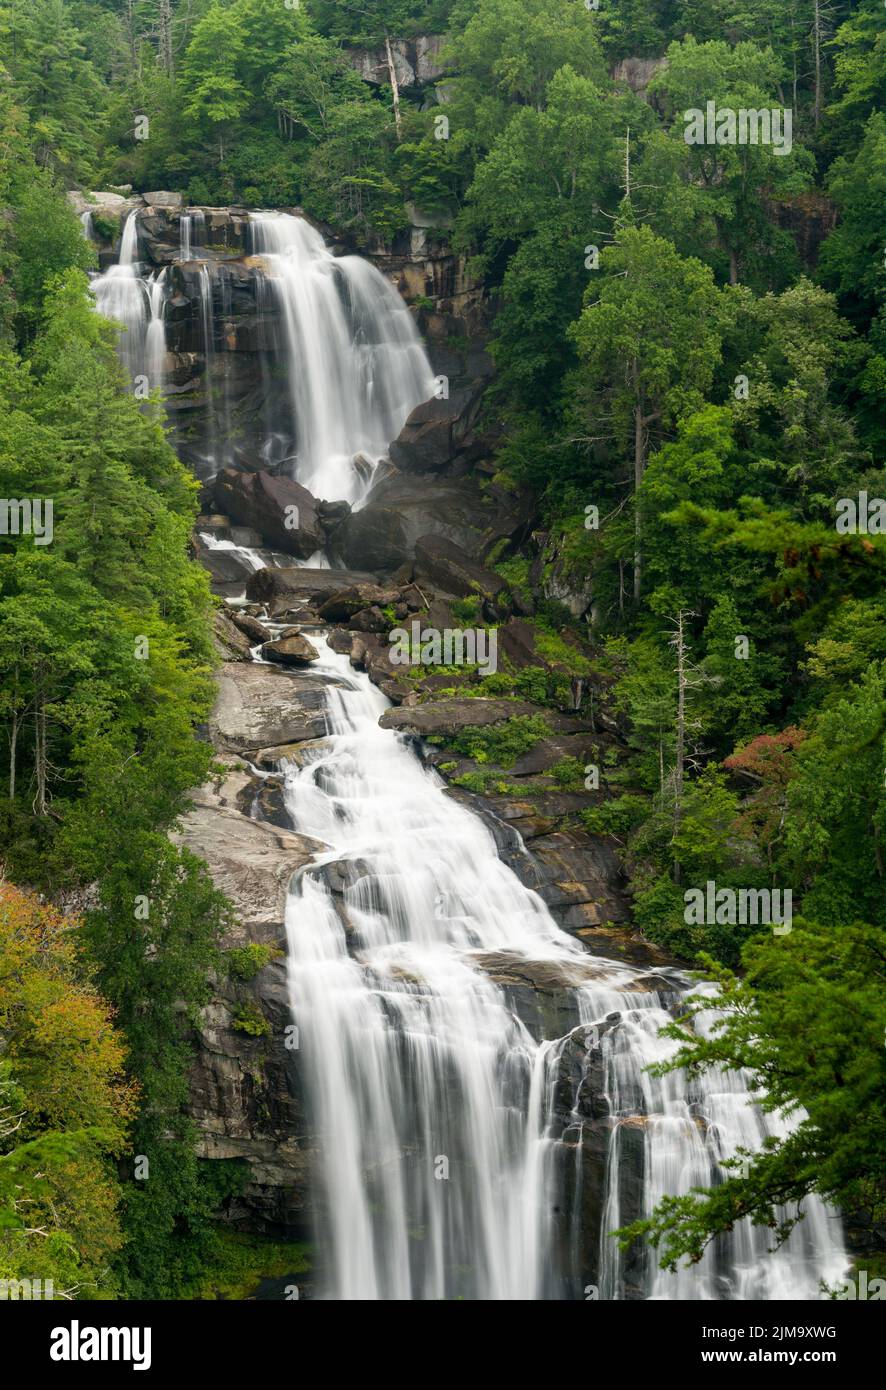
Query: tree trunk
x=816 y=39
x=681 y=735
x=395 y=85
x=167 y=62
x=13 y=741
x=40 y=756
x=639 y=467
x=733 y=267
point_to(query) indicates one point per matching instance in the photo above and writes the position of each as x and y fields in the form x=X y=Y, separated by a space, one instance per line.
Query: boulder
x=452 y=570
x=163 y=199
x=343 y=605
x=230 y=643
x=286 y=588
x=251 y=626
x=280 y=509
x=294 y=650
x=449 y=717
x=258 y=706
x=402 y=510
x=436 y=429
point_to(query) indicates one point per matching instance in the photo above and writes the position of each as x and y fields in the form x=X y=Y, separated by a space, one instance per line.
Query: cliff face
x=232 y=370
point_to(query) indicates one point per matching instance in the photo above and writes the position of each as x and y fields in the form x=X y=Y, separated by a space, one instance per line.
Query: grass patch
x=486 y=783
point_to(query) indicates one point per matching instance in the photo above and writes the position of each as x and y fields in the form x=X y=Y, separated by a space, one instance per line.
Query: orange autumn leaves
x=65 y=1103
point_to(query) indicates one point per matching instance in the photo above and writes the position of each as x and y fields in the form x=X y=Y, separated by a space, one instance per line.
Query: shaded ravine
x=445 y=1151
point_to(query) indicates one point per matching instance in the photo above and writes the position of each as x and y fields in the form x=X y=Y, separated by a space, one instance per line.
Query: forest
x=689 y=349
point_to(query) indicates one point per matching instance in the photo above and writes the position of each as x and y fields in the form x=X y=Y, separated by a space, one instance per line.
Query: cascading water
x=356 y=367
x=155 y=337
x=443 y=1144
x=345 y=345
x=207 y=327
x=123 y=295
x=120 y=295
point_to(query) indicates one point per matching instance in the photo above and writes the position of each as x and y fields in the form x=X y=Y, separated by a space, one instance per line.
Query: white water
x=356 y=367
x=414 y=1059
x=120 y=296
x=253 y=558
x=135 y=302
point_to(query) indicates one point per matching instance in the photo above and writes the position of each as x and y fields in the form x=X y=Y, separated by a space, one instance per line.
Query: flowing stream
x=439 y=1111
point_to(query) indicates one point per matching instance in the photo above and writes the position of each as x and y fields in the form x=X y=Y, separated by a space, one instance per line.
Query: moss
x=238 y=1263
x=467 y=610
x=502 y=743
x=559 y=652
x=244 y=962
x=486 y=783
x=250 y=1019
x=569 y=774
x=515 y=570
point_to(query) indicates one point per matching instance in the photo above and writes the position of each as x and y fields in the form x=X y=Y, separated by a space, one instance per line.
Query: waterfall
x=192 y=232
x=437 y=1110
x=207 y=329
x=120 y=295
x=135 y=302
x=155 y=338
x=87 y=225
x=355 y=364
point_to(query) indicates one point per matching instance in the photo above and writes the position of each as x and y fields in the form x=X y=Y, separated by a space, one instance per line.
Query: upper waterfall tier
x=355 y=364
x=290 y=358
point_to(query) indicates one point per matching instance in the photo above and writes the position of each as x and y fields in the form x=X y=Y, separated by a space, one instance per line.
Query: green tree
x=649 y=341
x=807 y=1021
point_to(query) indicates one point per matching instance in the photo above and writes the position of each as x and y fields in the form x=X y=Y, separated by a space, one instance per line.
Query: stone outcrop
x=291 y=649
x=401 y=510
x=418 y=63
x=260 y=705
x=447 y=718
x=284 y=586
x=283 y=512
x=245 y=1095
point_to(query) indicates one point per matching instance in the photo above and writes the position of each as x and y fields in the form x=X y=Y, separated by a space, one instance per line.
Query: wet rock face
x=401 y=510
x=283 y=512
x=246 y=1100
x=261 y=705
